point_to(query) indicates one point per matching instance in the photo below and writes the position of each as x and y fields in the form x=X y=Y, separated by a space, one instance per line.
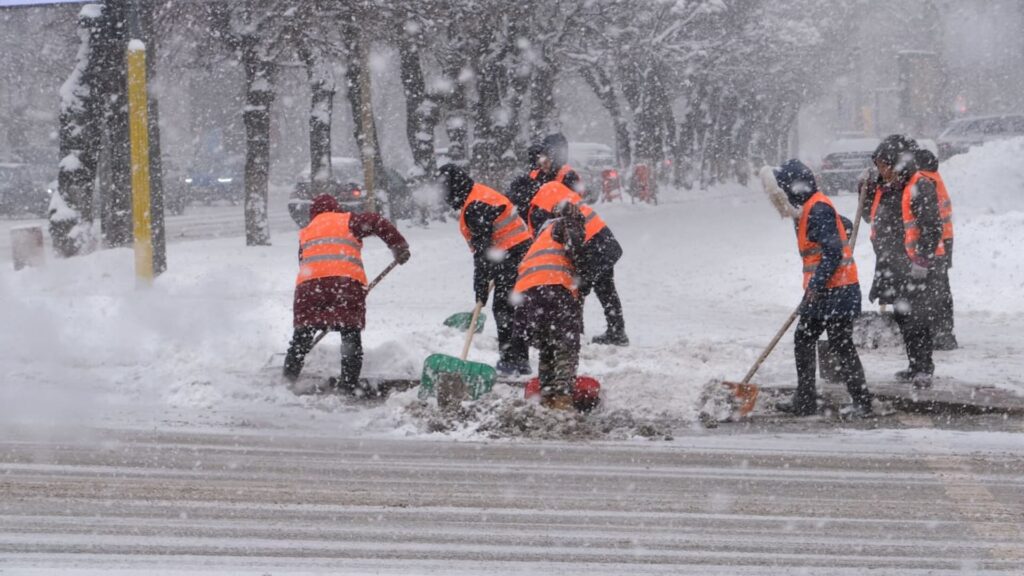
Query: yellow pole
x=139 y=130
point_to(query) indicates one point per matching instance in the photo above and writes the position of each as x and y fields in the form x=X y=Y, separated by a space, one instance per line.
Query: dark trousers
x=351 y=353
x=511 y=345
x=914 y=312
x=840 y=343
x=608 y=296
x=943 y=296
x=549 y=318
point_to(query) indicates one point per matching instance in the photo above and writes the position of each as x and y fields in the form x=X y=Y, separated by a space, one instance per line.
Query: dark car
x=209 y=180
x=346 y=185
x=845 y=159
x=24 y=189
x=964 y=133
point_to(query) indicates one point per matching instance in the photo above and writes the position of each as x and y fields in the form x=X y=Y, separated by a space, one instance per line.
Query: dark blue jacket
x=799 y=184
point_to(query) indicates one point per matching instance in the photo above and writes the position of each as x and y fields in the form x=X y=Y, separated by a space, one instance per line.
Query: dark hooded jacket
x=337 y=302
x=892 y=265
x=480 y=218
x=799 y=184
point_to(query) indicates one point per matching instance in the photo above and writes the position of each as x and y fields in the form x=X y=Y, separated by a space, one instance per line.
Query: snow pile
x=987 y=189
x=989 y=179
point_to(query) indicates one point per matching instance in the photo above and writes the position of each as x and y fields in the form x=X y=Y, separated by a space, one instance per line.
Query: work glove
x=402 y=254
x=482 y=288
x=810 y=298
x=918 y=272
x=918 y=268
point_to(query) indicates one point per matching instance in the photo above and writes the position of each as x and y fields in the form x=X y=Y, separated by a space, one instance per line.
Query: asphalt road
x=917 y=501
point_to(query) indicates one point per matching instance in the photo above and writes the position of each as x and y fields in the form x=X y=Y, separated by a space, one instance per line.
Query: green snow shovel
x=451 y=378
x=461 y=321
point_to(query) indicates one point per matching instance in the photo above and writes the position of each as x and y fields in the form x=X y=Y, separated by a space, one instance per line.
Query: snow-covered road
x=901 y=502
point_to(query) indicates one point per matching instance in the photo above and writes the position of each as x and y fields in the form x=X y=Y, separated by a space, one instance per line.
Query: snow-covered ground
x=141 y=434
x=706 y=279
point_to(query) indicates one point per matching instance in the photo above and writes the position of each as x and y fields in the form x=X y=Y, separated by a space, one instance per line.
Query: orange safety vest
x=546 y=264
x=945 y=204
x=328 y=248
x=559 y=176
x=911 y=232
x=509 y=228
x=846 y=273
x=553 y=193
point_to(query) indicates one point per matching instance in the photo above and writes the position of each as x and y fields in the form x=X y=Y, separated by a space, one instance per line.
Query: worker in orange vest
x=943 y=338
x=330 y=290
x=832 y=299
x=906 y=231
x=498 y=238
x=601 y=251
x=550 y=314
x=550 y=163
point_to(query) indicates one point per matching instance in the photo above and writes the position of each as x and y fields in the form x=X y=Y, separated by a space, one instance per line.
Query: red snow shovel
x=745 y=392
x=586 y=394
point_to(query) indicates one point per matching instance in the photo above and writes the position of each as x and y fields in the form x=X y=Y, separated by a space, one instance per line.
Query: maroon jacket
x=341 y=302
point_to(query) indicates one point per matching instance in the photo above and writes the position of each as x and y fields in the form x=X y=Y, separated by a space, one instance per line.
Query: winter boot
x=507 y=367
x=801 y=404
x=558 y=402
x=921 y=380
x=944 y=342
x=904 y=375
x=612 y=339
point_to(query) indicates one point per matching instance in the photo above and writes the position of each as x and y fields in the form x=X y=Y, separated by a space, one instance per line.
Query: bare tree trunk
x=71 y=210
x=321 y=87
x=354 y=90
x=599 y=81
x=421 y=112
x=259 y=95
x=116 y=201
x=456 y=114
x=542 y=101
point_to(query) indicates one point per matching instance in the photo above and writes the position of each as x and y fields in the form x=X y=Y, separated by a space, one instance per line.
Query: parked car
x=589 y=160
x=25 y=189
x=209 y=180
x=347 y=186
x=844 y=161
x=964 y=133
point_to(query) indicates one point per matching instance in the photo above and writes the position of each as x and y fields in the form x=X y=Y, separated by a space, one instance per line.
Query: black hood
x=926 y=160
x=797 y=181
x=457 y=184
x=557 y=148
x=898 y=152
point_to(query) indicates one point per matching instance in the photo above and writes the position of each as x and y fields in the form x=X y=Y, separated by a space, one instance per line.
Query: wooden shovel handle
x=771 y=346
x=472 y=324
x=370 y=286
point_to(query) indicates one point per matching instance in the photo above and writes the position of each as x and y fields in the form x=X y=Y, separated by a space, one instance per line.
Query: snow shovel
x=743 y=391
x=451 y=378
x=461 y=321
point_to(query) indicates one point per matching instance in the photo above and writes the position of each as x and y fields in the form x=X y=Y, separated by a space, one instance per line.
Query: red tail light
x=357 y=192
x=613 y=174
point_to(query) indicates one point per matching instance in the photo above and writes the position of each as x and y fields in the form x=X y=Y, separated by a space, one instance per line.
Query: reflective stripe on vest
x=509 y=229
x=911 y=231
x=553 y=193
x=546 y=264
x=329 y=249
x=846 y=273
x=945 y=204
